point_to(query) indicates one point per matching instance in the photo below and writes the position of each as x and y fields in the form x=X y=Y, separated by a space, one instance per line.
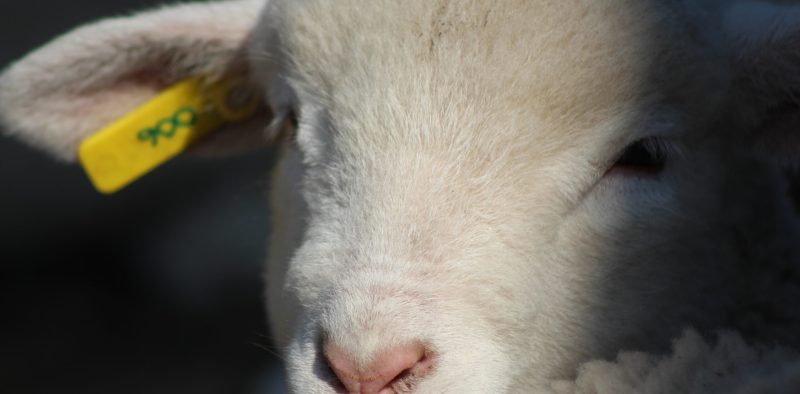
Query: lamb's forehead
x=568 y=60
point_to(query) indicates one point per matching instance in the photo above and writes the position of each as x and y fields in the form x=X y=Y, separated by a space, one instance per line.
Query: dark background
x=156 y=289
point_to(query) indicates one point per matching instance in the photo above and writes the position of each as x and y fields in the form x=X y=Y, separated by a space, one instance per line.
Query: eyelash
x=646 y=156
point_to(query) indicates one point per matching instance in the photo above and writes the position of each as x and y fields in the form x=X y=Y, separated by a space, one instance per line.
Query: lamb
x=490 y=197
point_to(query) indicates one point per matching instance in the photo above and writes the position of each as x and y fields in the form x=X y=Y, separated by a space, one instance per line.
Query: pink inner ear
x=96 y=106
x=81 y=114
x=82 y=81
x=148 y=76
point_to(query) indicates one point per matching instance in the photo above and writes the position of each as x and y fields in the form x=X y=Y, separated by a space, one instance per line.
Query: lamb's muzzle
x=398 y=367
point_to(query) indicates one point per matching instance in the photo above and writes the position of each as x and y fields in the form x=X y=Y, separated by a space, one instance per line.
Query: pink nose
x=401 y=365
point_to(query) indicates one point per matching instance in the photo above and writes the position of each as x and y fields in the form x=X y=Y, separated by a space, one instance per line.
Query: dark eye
x=293 y=120
x=646 y=156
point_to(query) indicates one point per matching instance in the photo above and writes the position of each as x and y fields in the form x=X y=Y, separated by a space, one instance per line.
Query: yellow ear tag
x=161 y=129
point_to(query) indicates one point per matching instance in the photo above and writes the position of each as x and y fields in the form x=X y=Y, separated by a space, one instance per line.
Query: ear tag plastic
x=161 y=129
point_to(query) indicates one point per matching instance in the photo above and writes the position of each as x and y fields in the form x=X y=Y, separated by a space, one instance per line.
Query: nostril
x=401 y=365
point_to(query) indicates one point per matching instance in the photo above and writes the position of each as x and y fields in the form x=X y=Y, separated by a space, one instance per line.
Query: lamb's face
x=478 y=195
x=501 y=192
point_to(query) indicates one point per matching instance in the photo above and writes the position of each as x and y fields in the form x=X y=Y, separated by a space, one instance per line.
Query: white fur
x=448 y=182
x=694 y=367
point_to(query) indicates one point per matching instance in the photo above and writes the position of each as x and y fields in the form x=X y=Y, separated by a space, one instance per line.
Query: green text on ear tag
x=161 y=129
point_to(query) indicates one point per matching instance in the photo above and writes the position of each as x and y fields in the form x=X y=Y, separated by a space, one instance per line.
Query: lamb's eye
x=293 y=120
x=645 y=156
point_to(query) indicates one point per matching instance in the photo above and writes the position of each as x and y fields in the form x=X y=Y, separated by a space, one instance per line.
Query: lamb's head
x=474 y=197
x=496 y=192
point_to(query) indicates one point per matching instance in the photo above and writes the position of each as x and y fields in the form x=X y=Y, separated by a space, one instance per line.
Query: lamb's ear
x=80 y=82
x=764 y=39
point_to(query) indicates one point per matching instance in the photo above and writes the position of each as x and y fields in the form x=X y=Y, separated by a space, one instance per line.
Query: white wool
x=695 y=366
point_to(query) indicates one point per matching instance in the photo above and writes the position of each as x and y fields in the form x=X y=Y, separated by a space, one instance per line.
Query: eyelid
x=656 y=145
x=664 y=146
x=666 y=143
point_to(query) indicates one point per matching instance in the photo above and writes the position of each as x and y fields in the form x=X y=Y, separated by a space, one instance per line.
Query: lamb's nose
x=407 y=363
